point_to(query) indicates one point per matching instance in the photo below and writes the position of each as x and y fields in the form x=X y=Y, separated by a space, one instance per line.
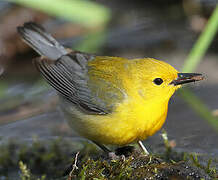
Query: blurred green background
x=182 y=33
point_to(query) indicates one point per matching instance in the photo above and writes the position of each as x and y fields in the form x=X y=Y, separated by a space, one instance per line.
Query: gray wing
x=66 y=72
x=68 y=75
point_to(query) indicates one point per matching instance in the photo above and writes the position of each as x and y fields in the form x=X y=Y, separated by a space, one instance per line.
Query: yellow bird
x=108 y=100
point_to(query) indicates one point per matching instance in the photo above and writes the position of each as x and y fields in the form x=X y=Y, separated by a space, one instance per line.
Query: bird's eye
x=158 y=81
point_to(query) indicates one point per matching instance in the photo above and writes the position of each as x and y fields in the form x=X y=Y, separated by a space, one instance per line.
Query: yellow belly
x=128 y=123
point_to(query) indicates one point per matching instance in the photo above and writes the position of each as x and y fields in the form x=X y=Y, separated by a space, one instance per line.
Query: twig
x=73 y=167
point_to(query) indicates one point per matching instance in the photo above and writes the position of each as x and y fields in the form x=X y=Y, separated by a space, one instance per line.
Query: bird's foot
x=113 y=156
x=121 y=153
x=125 y=150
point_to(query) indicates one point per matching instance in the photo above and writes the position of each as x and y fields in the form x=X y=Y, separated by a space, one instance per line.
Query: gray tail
x=41 y=41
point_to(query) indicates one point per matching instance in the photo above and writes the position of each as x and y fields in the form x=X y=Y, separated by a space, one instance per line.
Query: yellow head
x=156 y=80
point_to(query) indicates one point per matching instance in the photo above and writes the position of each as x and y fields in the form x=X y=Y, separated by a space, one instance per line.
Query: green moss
x=210 y=170
x=51 y=160
x=137 y=166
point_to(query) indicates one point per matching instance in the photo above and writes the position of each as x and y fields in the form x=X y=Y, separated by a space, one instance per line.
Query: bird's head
x=157 y=80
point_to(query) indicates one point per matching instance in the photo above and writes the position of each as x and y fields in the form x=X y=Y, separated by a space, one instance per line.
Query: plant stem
x=84 y=12
x=202 y=44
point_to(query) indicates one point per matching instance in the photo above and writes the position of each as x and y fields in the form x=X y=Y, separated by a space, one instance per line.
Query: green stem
x=84 y=12
x=202 y=44
x=199 y=107
x=193 y=60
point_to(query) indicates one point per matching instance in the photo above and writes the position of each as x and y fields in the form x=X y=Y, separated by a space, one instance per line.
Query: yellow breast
x=132 y=120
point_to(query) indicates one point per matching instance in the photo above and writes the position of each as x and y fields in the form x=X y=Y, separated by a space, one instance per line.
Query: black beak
x=187 y=78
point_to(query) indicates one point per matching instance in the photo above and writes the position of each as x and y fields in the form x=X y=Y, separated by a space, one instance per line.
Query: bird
x=107 y=100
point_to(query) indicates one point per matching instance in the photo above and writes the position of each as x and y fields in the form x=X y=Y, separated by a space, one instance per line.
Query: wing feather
x=68 y=72
x=68 y=75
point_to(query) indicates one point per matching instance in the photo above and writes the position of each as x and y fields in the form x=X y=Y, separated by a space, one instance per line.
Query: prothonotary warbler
x=108 y=100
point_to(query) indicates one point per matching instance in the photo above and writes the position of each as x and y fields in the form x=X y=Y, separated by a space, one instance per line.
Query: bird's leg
x=104 y=148
x=143 y=147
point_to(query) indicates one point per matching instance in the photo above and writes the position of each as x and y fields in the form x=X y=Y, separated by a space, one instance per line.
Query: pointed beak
x=184 y=78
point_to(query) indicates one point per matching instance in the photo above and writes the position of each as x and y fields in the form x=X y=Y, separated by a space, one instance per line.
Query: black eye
x=158 y=81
